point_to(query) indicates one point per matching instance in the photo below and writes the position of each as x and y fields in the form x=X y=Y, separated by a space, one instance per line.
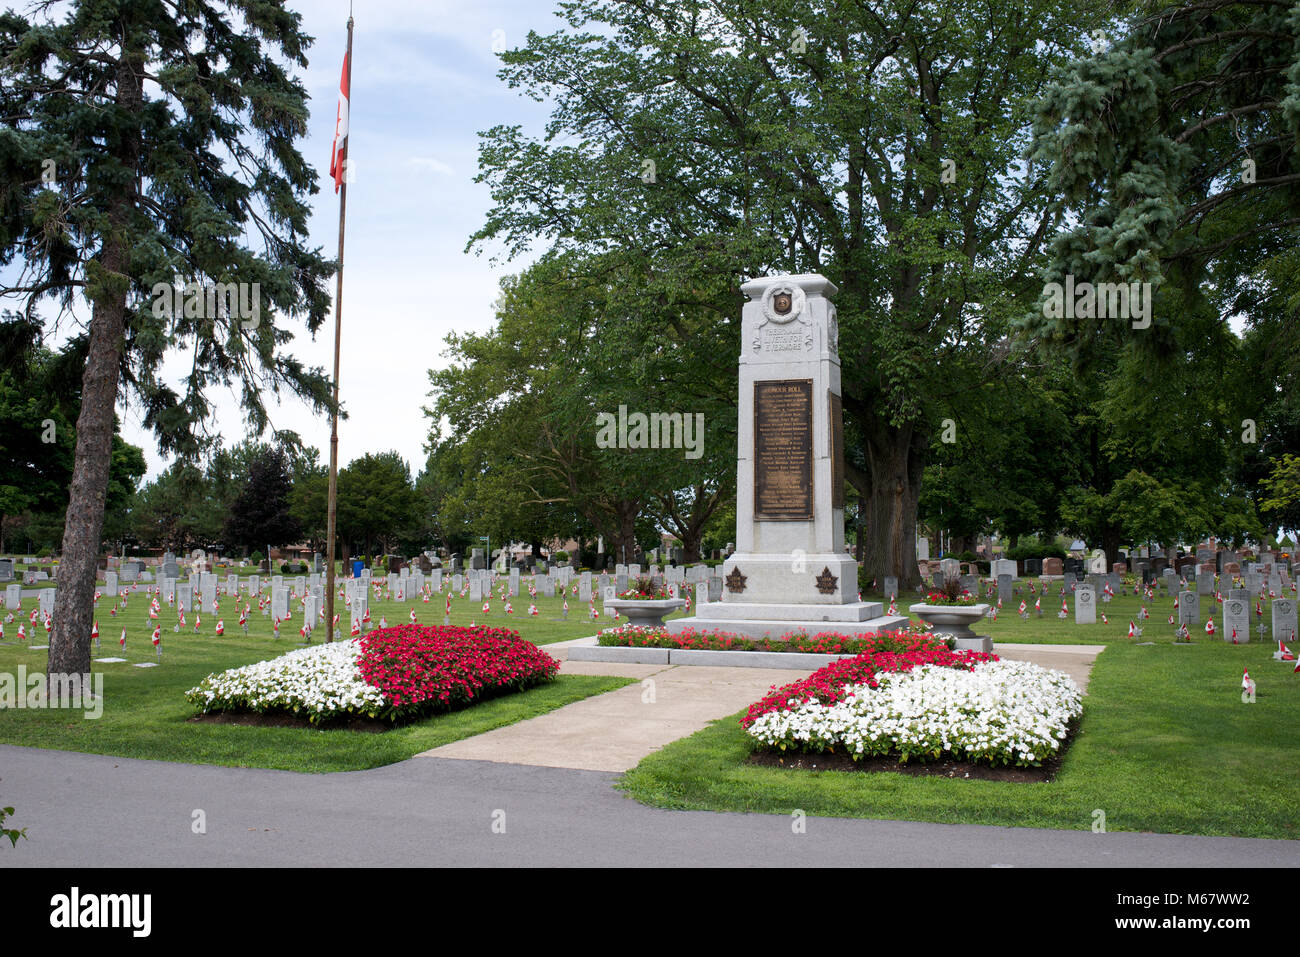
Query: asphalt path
x=88 y=810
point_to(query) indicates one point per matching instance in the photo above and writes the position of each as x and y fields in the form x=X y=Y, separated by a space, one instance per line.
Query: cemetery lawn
x=1050 y=630
x=146 y=715
x=1165 y=745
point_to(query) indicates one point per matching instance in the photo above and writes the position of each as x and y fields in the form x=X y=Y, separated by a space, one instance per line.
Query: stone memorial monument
x=790 y=570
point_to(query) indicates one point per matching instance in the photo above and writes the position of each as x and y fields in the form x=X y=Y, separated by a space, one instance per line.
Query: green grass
x=146 y=714
x=1051 y=630
x=1165 y=745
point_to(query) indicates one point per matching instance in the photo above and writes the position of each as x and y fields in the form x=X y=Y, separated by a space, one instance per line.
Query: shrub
x=1034 y=548
x=560 y=557
x=255 y=558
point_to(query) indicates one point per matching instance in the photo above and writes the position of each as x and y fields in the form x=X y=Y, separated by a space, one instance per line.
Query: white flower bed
x=1003 y=712
x=321 y=682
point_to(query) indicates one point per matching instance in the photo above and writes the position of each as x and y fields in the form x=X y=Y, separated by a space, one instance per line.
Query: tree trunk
x=895 y=460
x=691 y=546
x=1110 y=542
x=625 y=547
x=74 y=602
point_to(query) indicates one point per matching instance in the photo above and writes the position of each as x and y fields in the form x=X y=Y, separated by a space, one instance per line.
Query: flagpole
x=334 y=412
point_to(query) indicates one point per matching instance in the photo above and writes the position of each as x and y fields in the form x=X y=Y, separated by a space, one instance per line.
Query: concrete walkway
x=614 y=731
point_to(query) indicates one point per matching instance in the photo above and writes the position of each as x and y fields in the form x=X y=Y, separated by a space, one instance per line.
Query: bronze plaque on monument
x=837 y=451
x=783 y=450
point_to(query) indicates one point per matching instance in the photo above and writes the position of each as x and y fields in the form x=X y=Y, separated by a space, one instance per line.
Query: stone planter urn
x=645 y=612
x=956 y=621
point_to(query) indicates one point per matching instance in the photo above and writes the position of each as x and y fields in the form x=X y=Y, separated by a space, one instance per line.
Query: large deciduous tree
x=527 y=408
x=151 y=142
x=879 y=144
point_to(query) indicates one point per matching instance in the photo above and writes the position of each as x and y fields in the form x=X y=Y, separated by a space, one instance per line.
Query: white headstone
x=1085 y=605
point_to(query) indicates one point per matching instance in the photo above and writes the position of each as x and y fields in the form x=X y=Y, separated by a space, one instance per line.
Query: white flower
x=322 y=681
x=1003 y=711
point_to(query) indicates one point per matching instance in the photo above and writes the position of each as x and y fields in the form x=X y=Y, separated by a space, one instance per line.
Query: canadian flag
x=339 y=153
x=1247 y=682
x=366 y=617
x=221 y=627
x=412 y=616
x=22 y=633
x=1209 y=626
x=122 y=641
x=157 y=635
x=356 y=628
x=532 y=609
x=1130 y=629
x=94 y=632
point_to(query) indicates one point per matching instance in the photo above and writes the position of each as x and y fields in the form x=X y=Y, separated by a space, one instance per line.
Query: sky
x=424 y=84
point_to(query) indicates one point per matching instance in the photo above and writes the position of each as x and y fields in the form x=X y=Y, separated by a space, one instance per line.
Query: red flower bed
x=421 y=668
x=828 y=684
x=823 y=643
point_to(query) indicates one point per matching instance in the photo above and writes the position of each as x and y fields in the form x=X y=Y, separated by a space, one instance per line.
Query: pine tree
x=260 y=514
x=149 y=144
